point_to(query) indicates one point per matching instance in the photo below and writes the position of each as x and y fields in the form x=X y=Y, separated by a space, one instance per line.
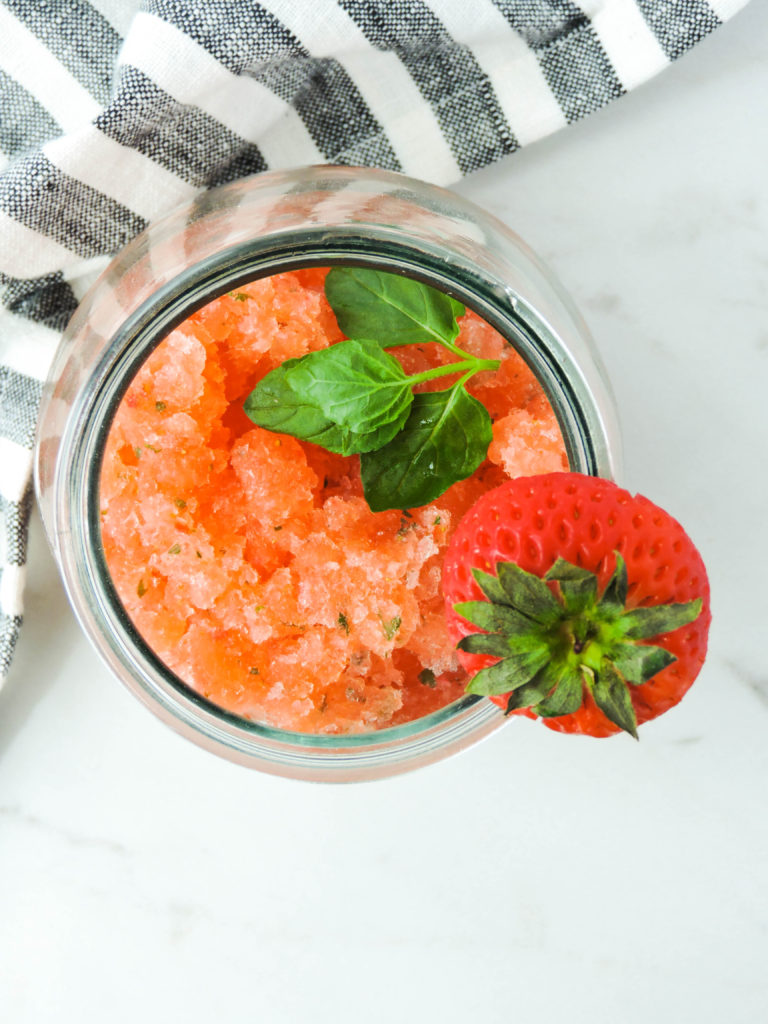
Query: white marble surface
x=536 y=877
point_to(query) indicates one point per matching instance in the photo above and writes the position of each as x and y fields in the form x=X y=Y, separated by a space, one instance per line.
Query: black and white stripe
x=48 y=300
x=574 y=63
x=114 y=111
x=448 y=76
x=25 y=123
x=19 y=400
x=184 y=139
x=38 y=195
x=250 y=40
x=78 y=36
x=14 y=517
x=679 y=24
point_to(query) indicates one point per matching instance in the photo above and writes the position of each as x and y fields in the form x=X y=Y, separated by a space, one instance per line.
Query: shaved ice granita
x=267 y=571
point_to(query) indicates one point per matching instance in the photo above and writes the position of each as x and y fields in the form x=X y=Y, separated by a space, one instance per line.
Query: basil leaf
x=355 y=383
x=459 y=309
x=274 y=405
x=392 y=309
x=445 y=438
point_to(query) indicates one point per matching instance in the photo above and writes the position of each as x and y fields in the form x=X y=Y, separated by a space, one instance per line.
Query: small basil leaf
x=485 y=643
x=578 y=586
x=392 y=309
x=528 y=593
x=644 y=623
x=494 y=618
x=611 y=695
x=374 y=439
x=355 y=383
x=274 y=405
x=459 y=309
x=427 y=678
x=640 y=662
x=445 y=438
x=614 y=597
x=566 y=697
x=509 y=674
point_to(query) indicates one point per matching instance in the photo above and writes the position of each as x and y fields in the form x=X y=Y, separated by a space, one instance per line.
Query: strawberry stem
x=552 y=645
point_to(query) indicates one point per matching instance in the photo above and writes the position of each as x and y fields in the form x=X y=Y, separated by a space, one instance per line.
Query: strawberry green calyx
x=556 y=638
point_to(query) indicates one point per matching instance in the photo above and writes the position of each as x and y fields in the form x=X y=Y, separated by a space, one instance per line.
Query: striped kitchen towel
x=113 y=111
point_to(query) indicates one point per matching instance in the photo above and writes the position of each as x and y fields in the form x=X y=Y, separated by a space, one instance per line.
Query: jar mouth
x=313 y=756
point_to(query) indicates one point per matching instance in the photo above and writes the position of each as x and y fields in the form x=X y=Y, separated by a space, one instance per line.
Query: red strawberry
x=569 y=577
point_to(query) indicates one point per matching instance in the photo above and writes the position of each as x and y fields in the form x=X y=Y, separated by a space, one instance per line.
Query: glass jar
x=317 y=216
